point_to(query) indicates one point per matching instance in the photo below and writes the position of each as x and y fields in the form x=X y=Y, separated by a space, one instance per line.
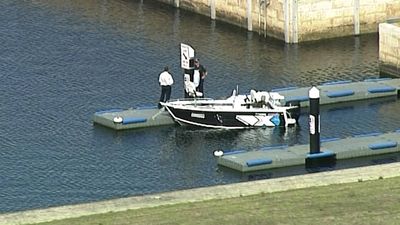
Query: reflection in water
x=231 y=140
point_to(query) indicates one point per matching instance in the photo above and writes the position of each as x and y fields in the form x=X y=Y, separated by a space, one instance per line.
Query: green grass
x=372 y=202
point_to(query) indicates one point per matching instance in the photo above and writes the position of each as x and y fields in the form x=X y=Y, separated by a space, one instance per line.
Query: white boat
x=257 y=109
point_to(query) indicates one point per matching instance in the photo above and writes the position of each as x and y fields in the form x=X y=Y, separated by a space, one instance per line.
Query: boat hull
x=227 y=119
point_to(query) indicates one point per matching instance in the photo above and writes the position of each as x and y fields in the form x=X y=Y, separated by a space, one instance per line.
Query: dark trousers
x=165 y=94
x=200 y=87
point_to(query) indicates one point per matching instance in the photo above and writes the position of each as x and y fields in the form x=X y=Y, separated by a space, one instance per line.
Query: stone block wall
x=231 y=11
x=265 y=15
x=297 y=20
x=389 y=48
x=319 y=19
x=270 y=18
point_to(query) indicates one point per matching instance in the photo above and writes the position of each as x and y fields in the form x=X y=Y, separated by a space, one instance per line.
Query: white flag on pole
x=187 y=53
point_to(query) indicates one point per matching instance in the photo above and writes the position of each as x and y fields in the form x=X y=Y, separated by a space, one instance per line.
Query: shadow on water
x=235 y=139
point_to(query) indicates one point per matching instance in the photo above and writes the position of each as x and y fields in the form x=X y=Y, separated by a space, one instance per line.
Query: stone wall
x=266 y=16
x=297 y=20
x=230 y=11
x=318 y=19
x=389 y=48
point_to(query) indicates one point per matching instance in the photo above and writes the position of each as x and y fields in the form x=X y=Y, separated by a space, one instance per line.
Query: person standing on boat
x=166 y=82
x=200 y=74
x=187 y=76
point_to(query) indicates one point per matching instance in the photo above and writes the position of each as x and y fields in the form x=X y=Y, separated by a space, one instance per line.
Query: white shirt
x=165 y=79
x=196 y=78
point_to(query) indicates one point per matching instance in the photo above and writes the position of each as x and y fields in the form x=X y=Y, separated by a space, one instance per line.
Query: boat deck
x=330 y=92
x=284 y=156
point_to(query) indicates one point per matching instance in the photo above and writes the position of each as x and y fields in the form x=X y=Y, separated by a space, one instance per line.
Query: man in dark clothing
x=203 y=73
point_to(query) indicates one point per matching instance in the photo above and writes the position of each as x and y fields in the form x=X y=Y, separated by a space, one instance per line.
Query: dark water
x=61 y=61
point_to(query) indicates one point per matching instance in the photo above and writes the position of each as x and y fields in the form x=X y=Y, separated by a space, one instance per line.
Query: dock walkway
x=133 y=118
x=284 y=156
x=344 y=91
x=330 y=93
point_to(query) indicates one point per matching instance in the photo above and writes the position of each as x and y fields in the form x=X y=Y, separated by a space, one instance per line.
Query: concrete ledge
x=207 y=193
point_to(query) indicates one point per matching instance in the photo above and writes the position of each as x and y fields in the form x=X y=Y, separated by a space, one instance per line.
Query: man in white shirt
x=166 y=81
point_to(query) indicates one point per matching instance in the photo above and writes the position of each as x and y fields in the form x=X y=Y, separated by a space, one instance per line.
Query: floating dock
x=133 y=118
x=330 y=92
x=284 y=156
x=344 y=91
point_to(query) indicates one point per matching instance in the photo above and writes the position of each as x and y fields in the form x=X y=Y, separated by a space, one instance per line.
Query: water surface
x=61 y=61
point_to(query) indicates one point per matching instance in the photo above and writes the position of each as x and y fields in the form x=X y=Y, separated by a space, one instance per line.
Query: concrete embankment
x=207 y=193
x=389 y=47
x=297 y=21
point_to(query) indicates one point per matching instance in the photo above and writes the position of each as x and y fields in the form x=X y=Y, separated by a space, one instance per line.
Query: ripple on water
x=61 y=61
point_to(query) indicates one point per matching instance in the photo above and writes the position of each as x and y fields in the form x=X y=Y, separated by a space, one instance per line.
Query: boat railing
x=204 y=101
x=190 y=99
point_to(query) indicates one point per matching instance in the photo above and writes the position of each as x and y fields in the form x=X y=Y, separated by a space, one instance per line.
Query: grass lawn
x=370 y=202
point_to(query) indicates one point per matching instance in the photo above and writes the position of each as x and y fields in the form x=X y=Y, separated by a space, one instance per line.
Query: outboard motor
x=295 y=112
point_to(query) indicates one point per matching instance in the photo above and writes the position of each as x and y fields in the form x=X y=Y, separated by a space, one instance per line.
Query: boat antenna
x=237 y=89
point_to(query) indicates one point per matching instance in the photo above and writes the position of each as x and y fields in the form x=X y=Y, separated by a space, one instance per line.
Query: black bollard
x=315 y=127
x=316 y=158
